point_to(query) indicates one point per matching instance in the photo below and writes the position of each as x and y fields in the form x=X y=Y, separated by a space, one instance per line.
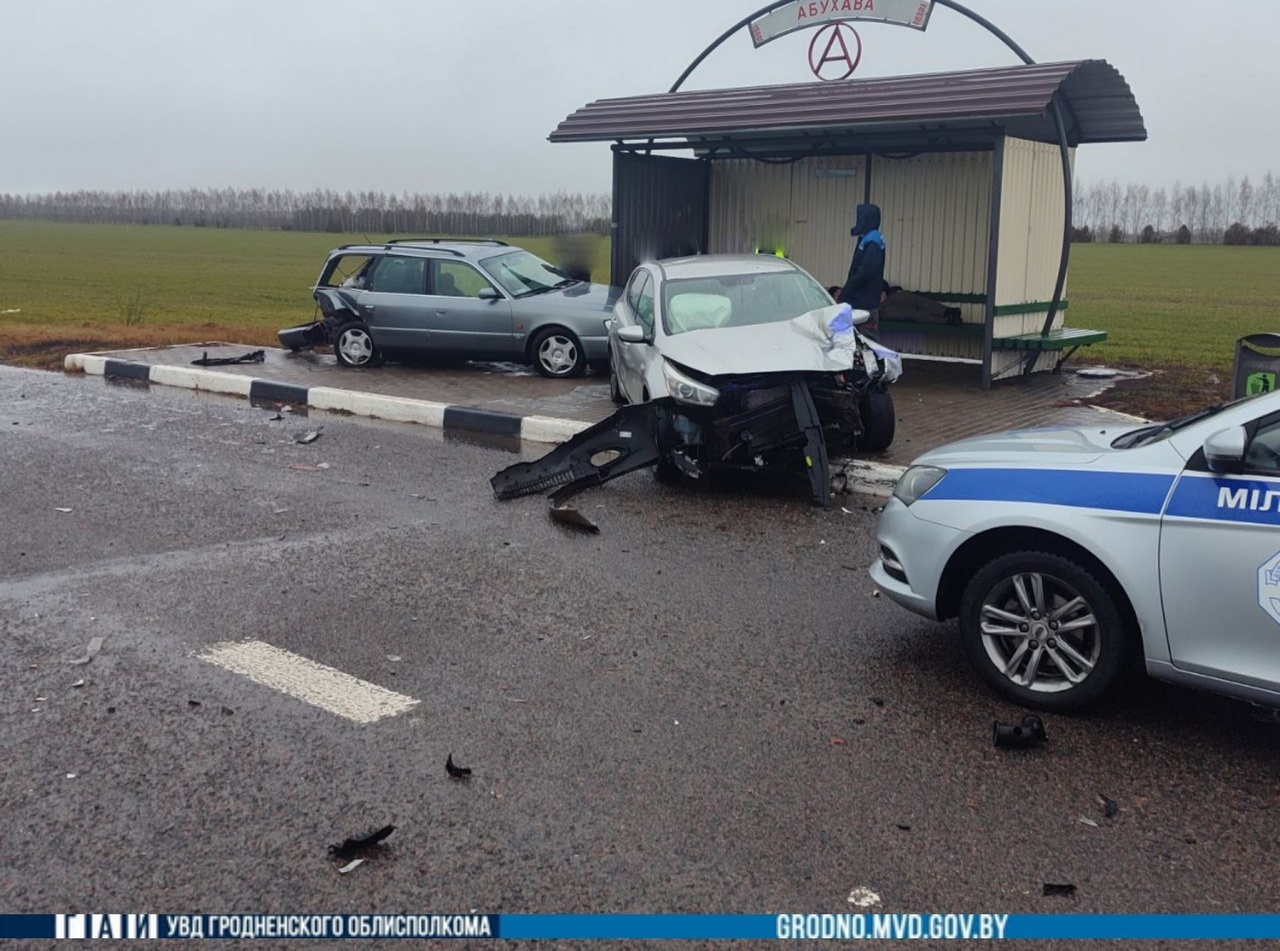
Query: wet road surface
x=701 y=709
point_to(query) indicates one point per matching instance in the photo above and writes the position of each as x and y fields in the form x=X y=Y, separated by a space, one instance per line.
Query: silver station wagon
x=480 y=299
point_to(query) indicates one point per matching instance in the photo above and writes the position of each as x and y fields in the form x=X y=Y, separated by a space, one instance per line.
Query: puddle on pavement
x=298 y=409
x=497 y=441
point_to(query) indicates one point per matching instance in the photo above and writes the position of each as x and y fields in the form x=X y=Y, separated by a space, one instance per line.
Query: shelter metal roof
x=1098 y=107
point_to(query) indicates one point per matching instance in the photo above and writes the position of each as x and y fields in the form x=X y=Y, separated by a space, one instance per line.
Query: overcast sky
x=454 y=95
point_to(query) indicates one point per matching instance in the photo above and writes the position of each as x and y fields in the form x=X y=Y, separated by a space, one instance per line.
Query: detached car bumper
x=303 y=336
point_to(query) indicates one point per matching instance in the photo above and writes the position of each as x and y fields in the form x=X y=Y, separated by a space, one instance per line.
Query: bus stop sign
x=802 y=14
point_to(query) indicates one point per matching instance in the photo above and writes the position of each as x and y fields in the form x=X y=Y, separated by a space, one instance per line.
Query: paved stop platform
x=936 y=402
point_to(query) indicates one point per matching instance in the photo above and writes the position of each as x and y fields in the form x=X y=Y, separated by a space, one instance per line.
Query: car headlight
x=685 y=389
x=916 y=481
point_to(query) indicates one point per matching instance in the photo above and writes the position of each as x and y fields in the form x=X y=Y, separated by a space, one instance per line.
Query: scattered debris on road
x=78 y=683
x=278 y=417
x=1029 y=733
x=309 y=438
x=1109 y=806
x=863 y=898
x=351 y=848
x=64 y=511
x=305 y=467
x=257 y=356
x=193 y=703
x=455 y=772
x=1086 y=821
x=569 y=516
x=1052 y=890
x=350 y=866
x=90 y=652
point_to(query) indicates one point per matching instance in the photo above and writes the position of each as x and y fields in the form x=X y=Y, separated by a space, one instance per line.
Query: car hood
x=790 y=346
x=584 y=298
x=1048 y=447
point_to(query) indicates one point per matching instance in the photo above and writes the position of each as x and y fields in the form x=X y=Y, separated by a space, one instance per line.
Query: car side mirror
x=1224 y=451
x=489 y=294
x=632 y=334
x=860 y=317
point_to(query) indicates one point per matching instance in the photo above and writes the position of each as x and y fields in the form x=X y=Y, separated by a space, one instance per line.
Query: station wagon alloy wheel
x=1042 y=630
x=354 y=347
x=558 y=354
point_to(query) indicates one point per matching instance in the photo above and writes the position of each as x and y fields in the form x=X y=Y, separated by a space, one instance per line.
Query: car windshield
x=522 y=274
x=1158 y=431
x=739 y=300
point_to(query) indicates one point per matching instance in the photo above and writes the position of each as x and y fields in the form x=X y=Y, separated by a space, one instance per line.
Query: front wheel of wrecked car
x=557 y=354
x=1043 y=630
x=615 y=387
x=879 y=420
x=354 y=346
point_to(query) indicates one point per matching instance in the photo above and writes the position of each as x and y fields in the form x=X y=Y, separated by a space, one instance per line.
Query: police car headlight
x=685 y=389
x=916 y=481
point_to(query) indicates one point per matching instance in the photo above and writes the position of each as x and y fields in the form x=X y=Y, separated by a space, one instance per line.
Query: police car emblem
x=1269 y=588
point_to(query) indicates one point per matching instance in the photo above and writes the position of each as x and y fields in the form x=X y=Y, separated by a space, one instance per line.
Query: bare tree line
x=323 y=210
x=1230 y=212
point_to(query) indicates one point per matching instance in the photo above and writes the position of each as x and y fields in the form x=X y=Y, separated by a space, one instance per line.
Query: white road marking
x=305 y=680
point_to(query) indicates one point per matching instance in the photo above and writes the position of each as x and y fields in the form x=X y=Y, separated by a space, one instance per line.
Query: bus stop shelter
x=966 y=166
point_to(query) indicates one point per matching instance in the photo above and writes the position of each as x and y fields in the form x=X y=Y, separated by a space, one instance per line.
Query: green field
x=73 y=285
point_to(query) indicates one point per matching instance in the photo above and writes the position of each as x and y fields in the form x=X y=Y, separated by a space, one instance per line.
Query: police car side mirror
x=860 y=317
x=1224 y=451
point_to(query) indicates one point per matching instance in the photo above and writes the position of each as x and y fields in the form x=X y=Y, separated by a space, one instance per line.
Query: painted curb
x=864 y=478
x=872 y=478
x=536 y=429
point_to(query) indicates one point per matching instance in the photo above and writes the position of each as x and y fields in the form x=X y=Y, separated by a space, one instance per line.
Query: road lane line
x=305 y=680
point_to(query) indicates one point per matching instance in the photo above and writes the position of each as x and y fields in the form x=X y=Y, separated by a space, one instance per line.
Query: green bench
x=1065 y=340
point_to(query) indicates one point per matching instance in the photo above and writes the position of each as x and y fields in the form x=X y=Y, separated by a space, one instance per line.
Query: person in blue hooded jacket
x=865 y=283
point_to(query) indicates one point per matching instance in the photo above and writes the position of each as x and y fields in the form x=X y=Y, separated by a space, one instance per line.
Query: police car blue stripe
x=1138 y=492
x=1221 y=499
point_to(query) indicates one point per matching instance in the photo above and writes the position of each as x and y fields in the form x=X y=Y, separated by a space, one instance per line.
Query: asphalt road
x=701 y=709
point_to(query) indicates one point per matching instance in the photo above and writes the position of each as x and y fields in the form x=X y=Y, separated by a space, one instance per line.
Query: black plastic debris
x=352 y=847
x=571 y=517
x=456 y=772
x=878 y=701
x=257 y=356
x=193 y=703
x=1027 y=734
x=1052 y=890
x=1109 y=806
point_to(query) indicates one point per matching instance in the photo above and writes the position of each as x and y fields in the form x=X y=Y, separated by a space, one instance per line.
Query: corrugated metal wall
x=937 y=220
x=1031 y=219
x=937 y=212
x=659 y=209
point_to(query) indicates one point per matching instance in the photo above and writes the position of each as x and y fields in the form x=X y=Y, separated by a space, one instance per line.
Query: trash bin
x=1257 y=365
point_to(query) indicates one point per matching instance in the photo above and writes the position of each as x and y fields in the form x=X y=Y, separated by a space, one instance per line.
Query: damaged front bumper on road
x=780 y=422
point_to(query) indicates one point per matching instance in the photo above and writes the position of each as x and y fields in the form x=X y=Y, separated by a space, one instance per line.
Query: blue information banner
x=809 y=927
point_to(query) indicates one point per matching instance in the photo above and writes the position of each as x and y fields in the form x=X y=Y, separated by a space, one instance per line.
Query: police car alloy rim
x=1040 y=633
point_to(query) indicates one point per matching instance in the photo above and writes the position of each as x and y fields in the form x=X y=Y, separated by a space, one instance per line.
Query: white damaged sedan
x=1065 y=553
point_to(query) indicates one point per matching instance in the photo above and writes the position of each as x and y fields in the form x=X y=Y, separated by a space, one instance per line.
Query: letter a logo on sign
x=838 y=59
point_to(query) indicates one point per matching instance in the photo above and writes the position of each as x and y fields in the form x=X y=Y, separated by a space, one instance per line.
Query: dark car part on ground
x=305 y=336
x=775 y=422
x=1030 y=732
x=257 y=356
x=354 y=846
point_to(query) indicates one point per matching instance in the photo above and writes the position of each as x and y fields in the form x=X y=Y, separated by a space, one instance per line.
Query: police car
x=1065 y=553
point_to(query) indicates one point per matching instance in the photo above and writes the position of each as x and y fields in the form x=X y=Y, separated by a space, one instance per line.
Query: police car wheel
x=1043 y=630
